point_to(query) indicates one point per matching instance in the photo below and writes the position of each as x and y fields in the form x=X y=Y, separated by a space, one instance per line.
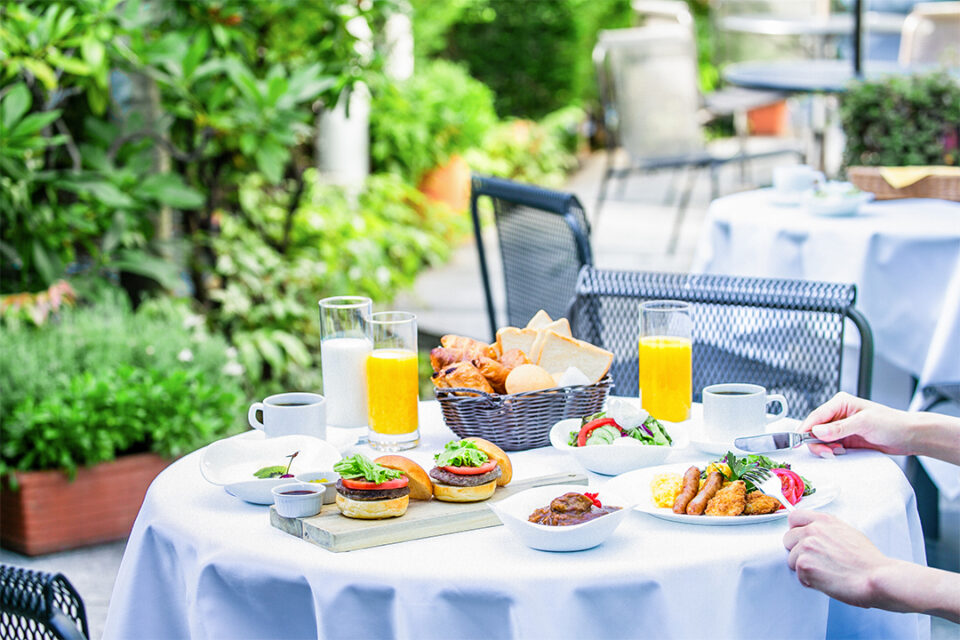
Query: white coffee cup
x=737 y=409
x=286 y=414
x=791 y=181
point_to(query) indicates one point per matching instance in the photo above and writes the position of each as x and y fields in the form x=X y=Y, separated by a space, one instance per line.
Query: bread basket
x=934 y=186
x=518 y=421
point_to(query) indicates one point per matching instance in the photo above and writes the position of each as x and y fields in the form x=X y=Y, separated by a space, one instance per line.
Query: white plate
x=635 y=487
x=514 y=511
x=232 y=462
x=614 y=459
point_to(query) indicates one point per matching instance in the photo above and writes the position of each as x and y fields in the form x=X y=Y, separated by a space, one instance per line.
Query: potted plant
x=95 y=404
x=420 y=128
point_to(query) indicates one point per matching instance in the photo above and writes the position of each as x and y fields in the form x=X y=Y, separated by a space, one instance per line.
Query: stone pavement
x=632 y=233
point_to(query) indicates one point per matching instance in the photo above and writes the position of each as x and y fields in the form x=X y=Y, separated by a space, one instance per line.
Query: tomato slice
x=588 y=428
x=486 y=467
x=363 y=485
x=791 y=483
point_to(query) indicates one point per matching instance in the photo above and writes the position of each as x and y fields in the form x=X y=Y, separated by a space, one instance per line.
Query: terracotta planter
x=449 y=183
x=768 y=120
x=49 y=513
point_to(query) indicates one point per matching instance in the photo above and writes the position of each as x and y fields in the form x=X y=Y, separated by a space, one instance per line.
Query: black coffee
x=291 y=404
x=731 y=393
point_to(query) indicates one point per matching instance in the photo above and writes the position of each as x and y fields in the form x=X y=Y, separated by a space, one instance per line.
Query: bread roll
x=421 y=488
x=474 y=348
x=498 y=454
x=514 y=358
x=493 y=371
x=528 y=377
x=372 y=509
x=450 y=493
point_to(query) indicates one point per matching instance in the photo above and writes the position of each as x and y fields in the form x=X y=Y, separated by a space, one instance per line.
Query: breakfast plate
x=634 y=486
x=232 y=462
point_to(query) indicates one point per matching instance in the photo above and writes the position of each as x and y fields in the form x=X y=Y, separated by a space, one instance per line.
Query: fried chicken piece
x=760 y=503
x=729 y=501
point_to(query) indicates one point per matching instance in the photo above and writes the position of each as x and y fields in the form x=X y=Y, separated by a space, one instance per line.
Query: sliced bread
x=540 y=319
x=513 y=338
x=561 y=326
x=559 y=352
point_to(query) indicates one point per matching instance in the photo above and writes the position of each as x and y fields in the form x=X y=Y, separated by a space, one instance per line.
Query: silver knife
x=775 y=441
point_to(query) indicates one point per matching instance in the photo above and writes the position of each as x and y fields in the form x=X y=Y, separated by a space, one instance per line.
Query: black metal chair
x=786 y=335
x=35 y=605
x=544 y=239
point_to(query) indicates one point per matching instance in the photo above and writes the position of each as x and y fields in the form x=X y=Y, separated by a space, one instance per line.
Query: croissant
x=463 y=375
x=474 y=348
x=514 y=358
x=442 y=357
x=493 y=371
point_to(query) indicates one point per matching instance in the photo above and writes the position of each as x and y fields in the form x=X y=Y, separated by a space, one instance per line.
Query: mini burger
x=370 y=491
x=469 y=470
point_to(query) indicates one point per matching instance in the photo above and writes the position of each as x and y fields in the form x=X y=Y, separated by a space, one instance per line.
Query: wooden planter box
x=49 y=513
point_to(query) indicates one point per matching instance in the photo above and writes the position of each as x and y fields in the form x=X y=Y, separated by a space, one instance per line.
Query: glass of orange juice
x=666 y=354
x=392 y=385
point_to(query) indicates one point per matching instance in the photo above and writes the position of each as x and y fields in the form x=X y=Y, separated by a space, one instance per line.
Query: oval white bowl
x=514 y=511
x=612 y=460
x=232 y=462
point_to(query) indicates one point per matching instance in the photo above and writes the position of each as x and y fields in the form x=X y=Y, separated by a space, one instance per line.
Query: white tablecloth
x=903 y=255
x=202 y=564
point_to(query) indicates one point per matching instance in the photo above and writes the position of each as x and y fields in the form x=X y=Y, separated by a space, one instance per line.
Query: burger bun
x=450 y=493
x=420 y=486
x=498 y=454
x=372 y=509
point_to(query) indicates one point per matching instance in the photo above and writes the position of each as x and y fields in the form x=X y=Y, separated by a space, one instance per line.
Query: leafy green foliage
x=357 y=466
x=902 y=121
x=107 y=381
x=418 y=124
x=460 y=453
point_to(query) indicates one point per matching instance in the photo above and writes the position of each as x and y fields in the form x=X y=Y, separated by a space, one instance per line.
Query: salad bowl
x=515 y=511
x=835 y=199
x=232 y=463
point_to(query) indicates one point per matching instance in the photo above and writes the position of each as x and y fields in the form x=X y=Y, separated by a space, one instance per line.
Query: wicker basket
x=518 y=421
x=869 y=179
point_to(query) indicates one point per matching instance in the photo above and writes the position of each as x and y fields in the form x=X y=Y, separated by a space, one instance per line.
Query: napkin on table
x=900 y=177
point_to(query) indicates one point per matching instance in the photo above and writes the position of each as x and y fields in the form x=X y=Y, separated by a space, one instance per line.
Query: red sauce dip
x=297 y=492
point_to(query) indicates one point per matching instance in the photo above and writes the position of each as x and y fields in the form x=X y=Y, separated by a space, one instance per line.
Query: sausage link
x=710 y=488
x=691 y=484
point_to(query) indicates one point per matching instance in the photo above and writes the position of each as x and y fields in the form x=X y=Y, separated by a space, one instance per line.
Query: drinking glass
x=392 y=384
x=666 y=354
x=344 y=346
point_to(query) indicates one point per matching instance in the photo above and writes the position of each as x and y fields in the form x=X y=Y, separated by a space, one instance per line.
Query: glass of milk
x=344 y=347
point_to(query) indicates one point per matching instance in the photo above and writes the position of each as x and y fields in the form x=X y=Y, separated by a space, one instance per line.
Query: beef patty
x=371 y=494
x=445 y=477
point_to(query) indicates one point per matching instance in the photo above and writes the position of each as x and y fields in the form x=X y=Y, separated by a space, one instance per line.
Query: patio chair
x=786 y=335
x=931 y=35
x=544 y=239
x=651 y=108
x=35 y=605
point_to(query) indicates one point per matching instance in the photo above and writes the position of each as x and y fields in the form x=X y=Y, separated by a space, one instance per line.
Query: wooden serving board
x=333 y=531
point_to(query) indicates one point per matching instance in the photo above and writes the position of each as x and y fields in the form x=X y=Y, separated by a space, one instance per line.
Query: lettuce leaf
x=460 y=453
x=357 y=466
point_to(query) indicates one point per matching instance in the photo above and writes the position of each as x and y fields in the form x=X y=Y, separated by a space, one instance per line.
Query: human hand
x=833 y=557
x=850 y=422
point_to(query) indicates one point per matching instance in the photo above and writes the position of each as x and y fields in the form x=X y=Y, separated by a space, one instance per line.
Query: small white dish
x=325 y=479
x=635 y=487
x=297 y=499
x=614 y=459
x=836 y=199
x=514 y=511
x=231 y=463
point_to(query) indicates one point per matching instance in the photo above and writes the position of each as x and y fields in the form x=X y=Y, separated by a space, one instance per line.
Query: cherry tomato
x=486 y=467
x=363 y=485
x=791 y=483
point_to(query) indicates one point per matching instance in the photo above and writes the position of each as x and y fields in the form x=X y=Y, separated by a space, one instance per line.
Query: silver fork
x=769 y=484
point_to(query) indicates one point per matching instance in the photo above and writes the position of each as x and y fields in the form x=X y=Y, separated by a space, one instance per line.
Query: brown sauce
x=569 y=509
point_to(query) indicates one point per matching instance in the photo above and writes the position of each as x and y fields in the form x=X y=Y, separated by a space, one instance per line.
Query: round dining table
x=202 y=564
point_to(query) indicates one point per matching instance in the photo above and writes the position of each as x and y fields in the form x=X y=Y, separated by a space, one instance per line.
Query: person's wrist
x=930 y=435
x=883 y=581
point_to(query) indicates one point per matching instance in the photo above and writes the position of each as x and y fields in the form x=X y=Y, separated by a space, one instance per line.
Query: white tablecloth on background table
x=201 y=564
x=903 y=255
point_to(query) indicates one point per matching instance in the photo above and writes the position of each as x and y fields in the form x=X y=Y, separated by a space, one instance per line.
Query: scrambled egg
x=665 y=488
x=722 y=467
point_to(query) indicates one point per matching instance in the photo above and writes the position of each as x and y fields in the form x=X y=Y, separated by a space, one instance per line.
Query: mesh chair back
x=649 y=76
x=931 y=35
x=544 y=240
x=786 y=335
x=36 y=605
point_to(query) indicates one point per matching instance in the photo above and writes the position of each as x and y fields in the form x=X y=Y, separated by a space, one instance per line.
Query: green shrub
x=418 y=124
x=902 y=121
x=106 y=381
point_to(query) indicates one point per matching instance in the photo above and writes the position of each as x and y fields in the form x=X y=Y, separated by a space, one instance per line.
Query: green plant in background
x=418 y=124
x=106 y=381
x=902 y=120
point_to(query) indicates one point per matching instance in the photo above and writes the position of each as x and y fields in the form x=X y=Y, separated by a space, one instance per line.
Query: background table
x=903 y=255
x=202 y=564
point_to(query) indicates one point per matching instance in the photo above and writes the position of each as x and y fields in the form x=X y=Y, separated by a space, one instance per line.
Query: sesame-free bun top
x=420 y=486
x=528 y=377
x=498 y=454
